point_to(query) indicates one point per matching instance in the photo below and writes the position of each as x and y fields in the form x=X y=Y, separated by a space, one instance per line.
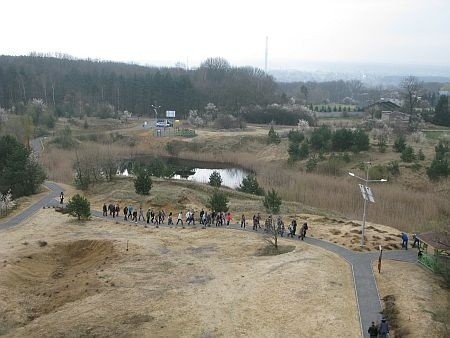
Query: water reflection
x=231 y=177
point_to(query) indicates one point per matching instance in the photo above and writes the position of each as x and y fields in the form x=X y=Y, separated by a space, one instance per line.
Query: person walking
x=180 y=218
x=141 y=214
x=405 y=240
x=383 y=328
x=61 y=198
x=125 y=213
x=243 y=221
x=228 y=219
x=105 y=210
x=148 y=214
x=373 y=330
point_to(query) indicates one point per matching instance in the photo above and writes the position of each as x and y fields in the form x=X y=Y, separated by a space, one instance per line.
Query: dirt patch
x=47 y=278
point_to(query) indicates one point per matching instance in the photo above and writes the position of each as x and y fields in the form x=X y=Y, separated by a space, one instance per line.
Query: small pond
x=197 y=171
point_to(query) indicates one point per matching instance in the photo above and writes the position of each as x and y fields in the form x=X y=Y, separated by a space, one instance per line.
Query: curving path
x=367 y=297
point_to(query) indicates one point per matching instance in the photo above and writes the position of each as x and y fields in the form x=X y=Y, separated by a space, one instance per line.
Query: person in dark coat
x=405 y=240
x=373 y=330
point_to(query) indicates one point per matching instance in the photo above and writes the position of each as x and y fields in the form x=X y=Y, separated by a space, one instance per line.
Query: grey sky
x=170 y=31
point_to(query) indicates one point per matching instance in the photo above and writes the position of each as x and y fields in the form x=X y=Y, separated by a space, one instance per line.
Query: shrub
x=311 y=164
x=393 y=168
x=320 y=139
x=218 y=201
x=378 y=172
x=408 y=154
x=143 y=181
x=251 y=186
x=400 y=143
x=79 y=206
x=296 y=136
x=273 y=136
x=420 y=155
x=215 y=180
x=272 y=202
x=438 y=168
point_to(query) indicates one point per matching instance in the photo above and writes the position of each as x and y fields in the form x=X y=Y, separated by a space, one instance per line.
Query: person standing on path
x=105 y=210
x=383 y=329
x=373 y=330
x=148 y=215
x=125 y=213
x=405 y=240
x=61 y=198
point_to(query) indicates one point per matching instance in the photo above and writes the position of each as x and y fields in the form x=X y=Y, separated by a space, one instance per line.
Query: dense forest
x=73 y=87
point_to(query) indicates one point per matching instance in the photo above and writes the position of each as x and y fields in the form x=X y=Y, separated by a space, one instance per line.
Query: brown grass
x=397 y=206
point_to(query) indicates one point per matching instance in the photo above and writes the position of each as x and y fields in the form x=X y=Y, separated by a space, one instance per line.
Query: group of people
x=205 y=218
x=381 y=330
x=279 y=226
x=404 y=237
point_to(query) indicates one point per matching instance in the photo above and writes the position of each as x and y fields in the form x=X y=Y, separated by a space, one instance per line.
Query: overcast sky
x=163 y=32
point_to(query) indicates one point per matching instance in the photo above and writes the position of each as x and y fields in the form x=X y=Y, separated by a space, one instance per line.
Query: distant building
x=395 y=119
x=383 y=105
x=444 y=92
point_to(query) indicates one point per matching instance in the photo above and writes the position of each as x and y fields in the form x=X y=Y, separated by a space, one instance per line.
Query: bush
x=296 y=136
x=79 y=206
x=400 y=143
x=143 y=181
x=438 y=168
x=251 y=186
x=273 y=136
x=393 y=168
x=218 y=201
x=408 y=154
x=320 y=139
x=311 y=164
x=420 y=155
x=272 y=202
x=215 y=180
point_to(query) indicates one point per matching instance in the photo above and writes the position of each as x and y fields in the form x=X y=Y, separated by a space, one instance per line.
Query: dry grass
x=415 y=300
x=406 y=209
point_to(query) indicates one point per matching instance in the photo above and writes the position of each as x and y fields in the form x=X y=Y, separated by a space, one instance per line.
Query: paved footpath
x=49 y=200
x=367 y=297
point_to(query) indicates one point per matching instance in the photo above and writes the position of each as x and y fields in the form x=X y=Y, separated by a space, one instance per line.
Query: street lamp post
x=155 y=109
x=367 y=194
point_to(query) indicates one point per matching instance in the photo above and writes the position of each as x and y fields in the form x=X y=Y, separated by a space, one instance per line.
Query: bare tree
x=411 y=88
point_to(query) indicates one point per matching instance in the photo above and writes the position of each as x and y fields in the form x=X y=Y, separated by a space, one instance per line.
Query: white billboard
x=170 y=113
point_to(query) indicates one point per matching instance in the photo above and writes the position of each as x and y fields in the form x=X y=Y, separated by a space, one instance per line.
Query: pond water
x=231 y=177
x=197 y=171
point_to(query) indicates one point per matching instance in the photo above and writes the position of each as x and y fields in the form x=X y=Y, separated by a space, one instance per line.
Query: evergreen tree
x=408 y=154
x=215 y=180
x=251 y=186
x=143 y=181
x=273 y=136
x=218 y=201
x=79 y=206
x=20 y=171
x=441 y=112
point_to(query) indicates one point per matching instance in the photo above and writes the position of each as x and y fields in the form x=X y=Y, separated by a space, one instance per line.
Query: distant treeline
x=73 y=87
